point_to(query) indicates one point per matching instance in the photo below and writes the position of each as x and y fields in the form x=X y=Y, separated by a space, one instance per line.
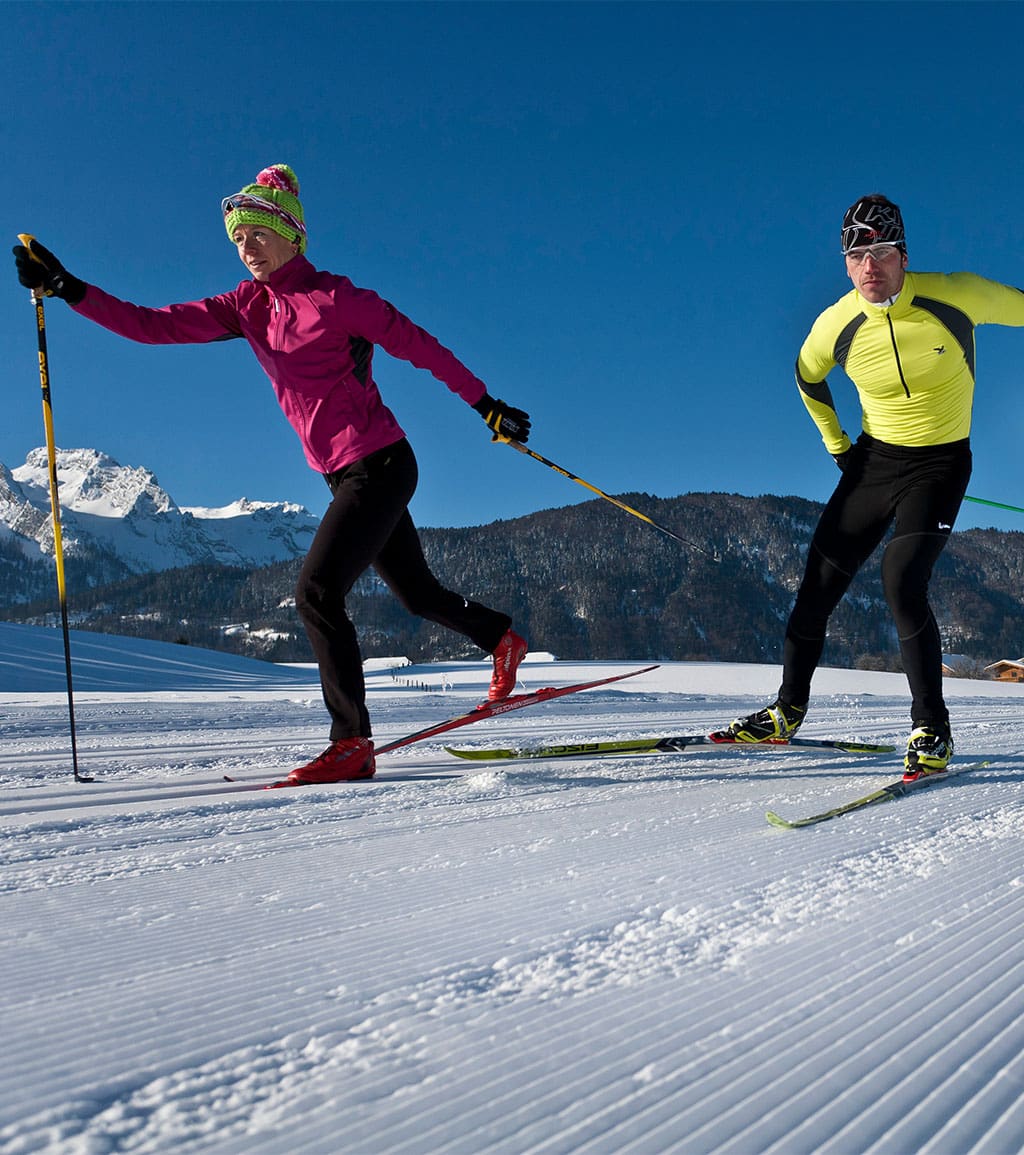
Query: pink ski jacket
x=313 y=332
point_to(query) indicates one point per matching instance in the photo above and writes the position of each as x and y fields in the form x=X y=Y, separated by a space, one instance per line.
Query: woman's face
x=261 y=250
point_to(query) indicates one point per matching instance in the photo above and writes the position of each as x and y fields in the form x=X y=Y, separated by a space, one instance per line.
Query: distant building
x=1006 y=671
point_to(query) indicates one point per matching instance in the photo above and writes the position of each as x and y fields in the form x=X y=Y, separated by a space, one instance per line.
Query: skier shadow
x=656 y=769
x=1005 y=768
x=1001 y=768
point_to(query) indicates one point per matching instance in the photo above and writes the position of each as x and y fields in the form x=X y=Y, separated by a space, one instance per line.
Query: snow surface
x=548 y=957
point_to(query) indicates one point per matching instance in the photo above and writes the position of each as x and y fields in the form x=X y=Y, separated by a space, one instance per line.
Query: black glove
x=40 y=269
x=505 y=420
x=843 y=459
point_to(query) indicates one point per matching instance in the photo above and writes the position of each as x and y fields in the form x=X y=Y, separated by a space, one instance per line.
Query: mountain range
x=116 y=521
x=584 y=581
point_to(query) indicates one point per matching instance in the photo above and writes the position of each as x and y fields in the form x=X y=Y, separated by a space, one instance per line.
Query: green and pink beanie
x=273 y=201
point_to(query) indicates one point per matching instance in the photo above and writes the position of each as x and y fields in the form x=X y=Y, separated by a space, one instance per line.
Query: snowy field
x=580 y=955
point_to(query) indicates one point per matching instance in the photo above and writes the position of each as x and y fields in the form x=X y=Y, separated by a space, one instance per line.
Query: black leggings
x=918 y=490
x=368 y=524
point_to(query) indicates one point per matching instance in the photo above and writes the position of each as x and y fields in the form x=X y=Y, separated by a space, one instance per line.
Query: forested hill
x=583 y=581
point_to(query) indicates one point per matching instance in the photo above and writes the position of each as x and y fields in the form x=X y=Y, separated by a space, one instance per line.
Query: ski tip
x=777 y=820
x=472 y=755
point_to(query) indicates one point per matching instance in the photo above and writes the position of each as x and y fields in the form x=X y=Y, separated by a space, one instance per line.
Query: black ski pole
x=601 y=493
x=58 y=542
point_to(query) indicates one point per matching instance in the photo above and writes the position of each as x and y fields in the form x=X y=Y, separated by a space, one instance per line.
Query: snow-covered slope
x=596 y=957
x=123 y=511
x=32 y=662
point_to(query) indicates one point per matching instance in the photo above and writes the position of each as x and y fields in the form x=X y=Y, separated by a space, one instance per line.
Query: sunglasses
x=875 y=252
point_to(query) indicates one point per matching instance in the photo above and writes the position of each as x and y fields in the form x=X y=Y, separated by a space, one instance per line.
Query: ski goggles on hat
x=262 y=204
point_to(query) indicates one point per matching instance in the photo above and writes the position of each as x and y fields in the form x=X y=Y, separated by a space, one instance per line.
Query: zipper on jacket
x=899 y=363
x=274 y=332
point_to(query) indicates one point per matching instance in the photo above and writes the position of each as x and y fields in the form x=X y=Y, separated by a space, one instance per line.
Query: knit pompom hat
x=273 y=201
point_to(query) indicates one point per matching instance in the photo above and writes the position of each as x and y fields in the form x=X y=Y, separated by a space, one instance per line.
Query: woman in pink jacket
x=314 y=332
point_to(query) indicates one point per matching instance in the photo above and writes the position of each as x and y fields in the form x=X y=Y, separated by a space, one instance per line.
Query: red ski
x=493 y=709
x=515 y=702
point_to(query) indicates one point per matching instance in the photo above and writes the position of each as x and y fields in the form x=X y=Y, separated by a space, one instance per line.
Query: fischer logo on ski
x=666 y=745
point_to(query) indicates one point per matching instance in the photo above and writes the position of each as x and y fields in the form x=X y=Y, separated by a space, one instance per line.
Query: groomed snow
x=578 y=955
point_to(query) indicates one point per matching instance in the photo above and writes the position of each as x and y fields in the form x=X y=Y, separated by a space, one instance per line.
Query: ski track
x=568 y=956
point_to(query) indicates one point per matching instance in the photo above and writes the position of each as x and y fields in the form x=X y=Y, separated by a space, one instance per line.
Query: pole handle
x=27 y=239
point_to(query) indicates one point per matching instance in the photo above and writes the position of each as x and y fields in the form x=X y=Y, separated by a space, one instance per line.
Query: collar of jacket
x=292 y=274
x=903 y=303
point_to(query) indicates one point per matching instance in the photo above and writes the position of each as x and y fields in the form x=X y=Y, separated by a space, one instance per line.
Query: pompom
x=279 y=176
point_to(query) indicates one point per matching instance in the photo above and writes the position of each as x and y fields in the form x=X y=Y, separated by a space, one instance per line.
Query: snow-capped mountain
x=120 y=510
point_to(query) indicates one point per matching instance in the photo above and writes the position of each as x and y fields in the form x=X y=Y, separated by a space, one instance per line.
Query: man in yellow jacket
x=906 y=340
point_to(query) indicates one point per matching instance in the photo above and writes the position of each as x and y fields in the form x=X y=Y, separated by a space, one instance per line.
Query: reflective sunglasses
x=875 y=252
x=248 y=201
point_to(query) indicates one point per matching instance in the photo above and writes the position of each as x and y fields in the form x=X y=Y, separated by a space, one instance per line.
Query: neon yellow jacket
x=912 y=362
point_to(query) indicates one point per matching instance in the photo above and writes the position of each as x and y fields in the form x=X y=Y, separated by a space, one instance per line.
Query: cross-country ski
x=667 y=745
x=894 y=790
x=492 y=710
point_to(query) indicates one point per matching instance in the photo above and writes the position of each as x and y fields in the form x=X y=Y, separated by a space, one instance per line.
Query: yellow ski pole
x=518 y=445
x=58 y=544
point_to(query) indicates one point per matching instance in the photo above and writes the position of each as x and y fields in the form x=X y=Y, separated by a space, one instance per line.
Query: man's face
x=877 y=271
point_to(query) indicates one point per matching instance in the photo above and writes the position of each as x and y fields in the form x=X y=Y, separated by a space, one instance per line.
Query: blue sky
x=623 y=217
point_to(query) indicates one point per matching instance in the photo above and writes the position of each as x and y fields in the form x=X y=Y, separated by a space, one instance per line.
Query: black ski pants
x=368 y=524
x=916 y=490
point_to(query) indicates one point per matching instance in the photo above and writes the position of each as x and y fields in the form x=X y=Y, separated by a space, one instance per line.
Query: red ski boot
x=508 y=655
x=346 y=760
